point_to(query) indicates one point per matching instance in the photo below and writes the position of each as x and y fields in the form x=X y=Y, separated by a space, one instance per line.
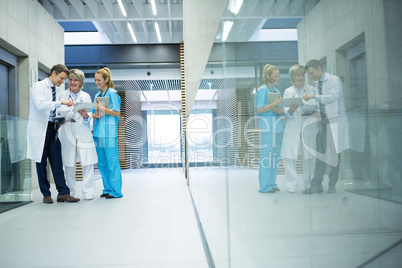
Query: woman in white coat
x=77 y=143
x=297 y=140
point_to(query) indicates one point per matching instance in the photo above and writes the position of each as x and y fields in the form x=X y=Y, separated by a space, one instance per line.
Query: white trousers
x=88 y=180
x=291 y=174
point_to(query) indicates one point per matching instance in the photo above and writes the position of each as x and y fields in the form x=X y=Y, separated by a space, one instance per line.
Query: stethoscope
x=302 y=93
x=71 y=98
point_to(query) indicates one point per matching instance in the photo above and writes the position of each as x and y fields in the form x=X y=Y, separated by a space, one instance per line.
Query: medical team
x=74 y=140
x=316 y=127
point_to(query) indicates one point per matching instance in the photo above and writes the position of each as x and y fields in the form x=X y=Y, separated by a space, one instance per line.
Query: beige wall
x=333 y=24
x=29 y=32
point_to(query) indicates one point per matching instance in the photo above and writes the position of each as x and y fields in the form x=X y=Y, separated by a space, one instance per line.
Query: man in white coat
x=77 y=143
x=42 y=141
x=329 y=96
x=297 y=137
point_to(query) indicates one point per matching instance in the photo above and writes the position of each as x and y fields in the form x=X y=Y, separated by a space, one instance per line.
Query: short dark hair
x=314 y=64
x=59 y=68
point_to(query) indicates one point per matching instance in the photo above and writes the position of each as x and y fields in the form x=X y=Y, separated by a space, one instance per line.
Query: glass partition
x=303 y=226
x=16 y=178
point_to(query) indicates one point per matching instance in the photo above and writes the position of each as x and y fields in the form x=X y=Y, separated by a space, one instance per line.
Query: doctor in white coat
x=77 y=143
x=294 y=144
x=329 y=97
x=42 y=141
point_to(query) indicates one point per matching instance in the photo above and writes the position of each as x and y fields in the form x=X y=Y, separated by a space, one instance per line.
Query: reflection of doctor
x=292 y=145
x=76 y=136
x=332 y=127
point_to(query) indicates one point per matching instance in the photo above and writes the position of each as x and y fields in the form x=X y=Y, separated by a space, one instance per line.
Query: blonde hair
x=295 y=70
x=77 y=74
x=105 y=72
x=268 y=70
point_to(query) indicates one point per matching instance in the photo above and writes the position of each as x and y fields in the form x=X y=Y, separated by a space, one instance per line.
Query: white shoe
x=291 y=190
x=89 y=196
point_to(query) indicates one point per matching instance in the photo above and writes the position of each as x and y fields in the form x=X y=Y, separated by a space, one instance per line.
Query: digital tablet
x=272 y=97
x=104 y=101
x=88 y=106
x=290 y=101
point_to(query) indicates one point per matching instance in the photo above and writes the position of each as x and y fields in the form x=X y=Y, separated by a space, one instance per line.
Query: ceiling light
x=158 y=33
x=235 y=6
x=123 y=10
x=226 y=29
x=153 y=7
x=130 y=28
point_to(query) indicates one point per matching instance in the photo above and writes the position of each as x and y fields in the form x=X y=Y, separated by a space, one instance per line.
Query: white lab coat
x=76 y=136
x=332 y=97
x=295 y=123
x=40 y=105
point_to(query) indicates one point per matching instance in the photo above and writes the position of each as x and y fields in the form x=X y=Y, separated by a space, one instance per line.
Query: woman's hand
x=100 y=109
x=293 y=108
x=98 y=105
x=97 y=114
x=83 y=113
x=277 y=101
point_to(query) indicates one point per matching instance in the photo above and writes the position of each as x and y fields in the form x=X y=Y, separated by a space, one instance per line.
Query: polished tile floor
x=153 y=225
x=245 y=228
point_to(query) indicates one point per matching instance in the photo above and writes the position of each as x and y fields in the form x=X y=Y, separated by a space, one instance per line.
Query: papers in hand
x=88 y=106
x=290 y=101
x=272 y=97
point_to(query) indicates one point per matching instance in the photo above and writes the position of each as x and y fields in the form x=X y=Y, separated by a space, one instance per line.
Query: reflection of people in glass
x=105 y=135
x=271 y=129
x=77 y=143
x=293 y=145
x=330 y=144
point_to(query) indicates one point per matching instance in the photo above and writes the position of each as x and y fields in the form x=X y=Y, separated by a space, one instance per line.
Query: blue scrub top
x=269 y=120
x=107 y=126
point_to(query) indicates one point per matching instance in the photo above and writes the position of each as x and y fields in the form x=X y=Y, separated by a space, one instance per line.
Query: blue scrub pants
x=109 y=166
x=270 y=157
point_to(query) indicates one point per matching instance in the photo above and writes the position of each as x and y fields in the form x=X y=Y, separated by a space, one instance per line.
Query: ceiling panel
x=112 y=24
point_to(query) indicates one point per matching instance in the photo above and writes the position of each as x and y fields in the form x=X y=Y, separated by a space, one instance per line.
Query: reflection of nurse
x=105 y=135
x=271 y=130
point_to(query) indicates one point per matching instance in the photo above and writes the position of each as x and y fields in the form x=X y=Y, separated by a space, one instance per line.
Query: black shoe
x=306 y=191
x=276 y=189
x=272 y=191
x=110 y=196
x=104 y=195
x=314 y=190
x=331 y=190
x=317 y=189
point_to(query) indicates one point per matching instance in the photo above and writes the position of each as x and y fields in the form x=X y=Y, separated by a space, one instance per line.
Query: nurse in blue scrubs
x=106 y=121
x=271 y=130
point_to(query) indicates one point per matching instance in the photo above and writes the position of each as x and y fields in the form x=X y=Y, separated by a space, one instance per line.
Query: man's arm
x=334 y=85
